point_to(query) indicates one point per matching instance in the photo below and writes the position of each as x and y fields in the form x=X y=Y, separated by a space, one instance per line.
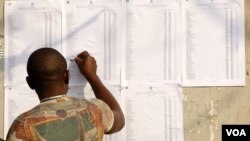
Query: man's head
x=47 y=69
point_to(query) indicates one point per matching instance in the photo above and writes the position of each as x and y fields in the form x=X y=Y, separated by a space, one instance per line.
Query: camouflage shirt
x=63 y=119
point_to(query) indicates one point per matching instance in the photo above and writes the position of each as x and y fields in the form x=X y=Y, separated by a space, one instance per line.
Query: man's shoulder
x=17 y=129
x=97 y=102
x=22 y=117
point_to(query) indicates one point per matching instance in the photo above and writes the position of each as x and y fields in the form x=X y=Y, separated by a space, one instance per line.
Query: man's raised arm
x=88 y=67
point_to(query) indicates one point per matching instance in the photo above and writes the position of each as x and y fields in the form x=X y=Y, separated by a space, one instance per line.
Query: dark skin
x=87 y=66
x=60 y=87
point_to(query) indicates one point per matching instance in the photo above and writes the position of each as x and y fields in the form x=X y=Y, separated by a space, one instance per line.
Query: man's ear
x=66 y=77
x=30 y=82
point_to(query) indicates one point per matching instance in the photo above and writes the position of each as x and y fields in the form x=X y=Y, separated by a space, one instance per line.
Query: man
x=59 y=117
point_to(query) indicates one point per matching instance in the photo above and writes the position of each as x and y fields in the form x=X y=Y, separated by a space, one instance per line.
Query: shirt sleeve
x=16 y=132
x=107 y=114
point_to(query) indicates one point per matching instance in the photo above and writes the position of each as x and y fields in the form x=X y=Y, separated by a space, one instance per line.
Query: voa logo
x=236 y=132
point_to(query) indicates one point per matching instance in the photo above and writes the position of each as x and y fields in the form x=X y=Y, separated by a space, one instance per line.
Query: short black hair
x=46 y=64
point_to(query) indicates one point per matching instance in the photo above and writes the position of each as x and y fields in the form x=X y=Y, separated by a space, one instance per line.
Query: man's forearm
x=102 y=93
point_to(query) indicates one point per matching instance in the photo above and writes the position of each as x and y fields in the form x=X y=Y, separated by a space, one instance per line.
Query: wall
x=205 y=108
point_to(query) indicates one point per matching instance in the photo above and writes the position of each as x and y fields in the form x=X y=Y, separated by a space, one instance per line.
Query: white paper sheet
x=214 y=53
x=152 y=52
x=93 y=27
x=153 y=112
x=28 y=26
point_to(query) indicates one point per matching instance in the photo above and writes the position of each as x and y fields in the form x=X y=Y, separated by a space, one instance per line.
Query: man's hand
x=86 y=64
